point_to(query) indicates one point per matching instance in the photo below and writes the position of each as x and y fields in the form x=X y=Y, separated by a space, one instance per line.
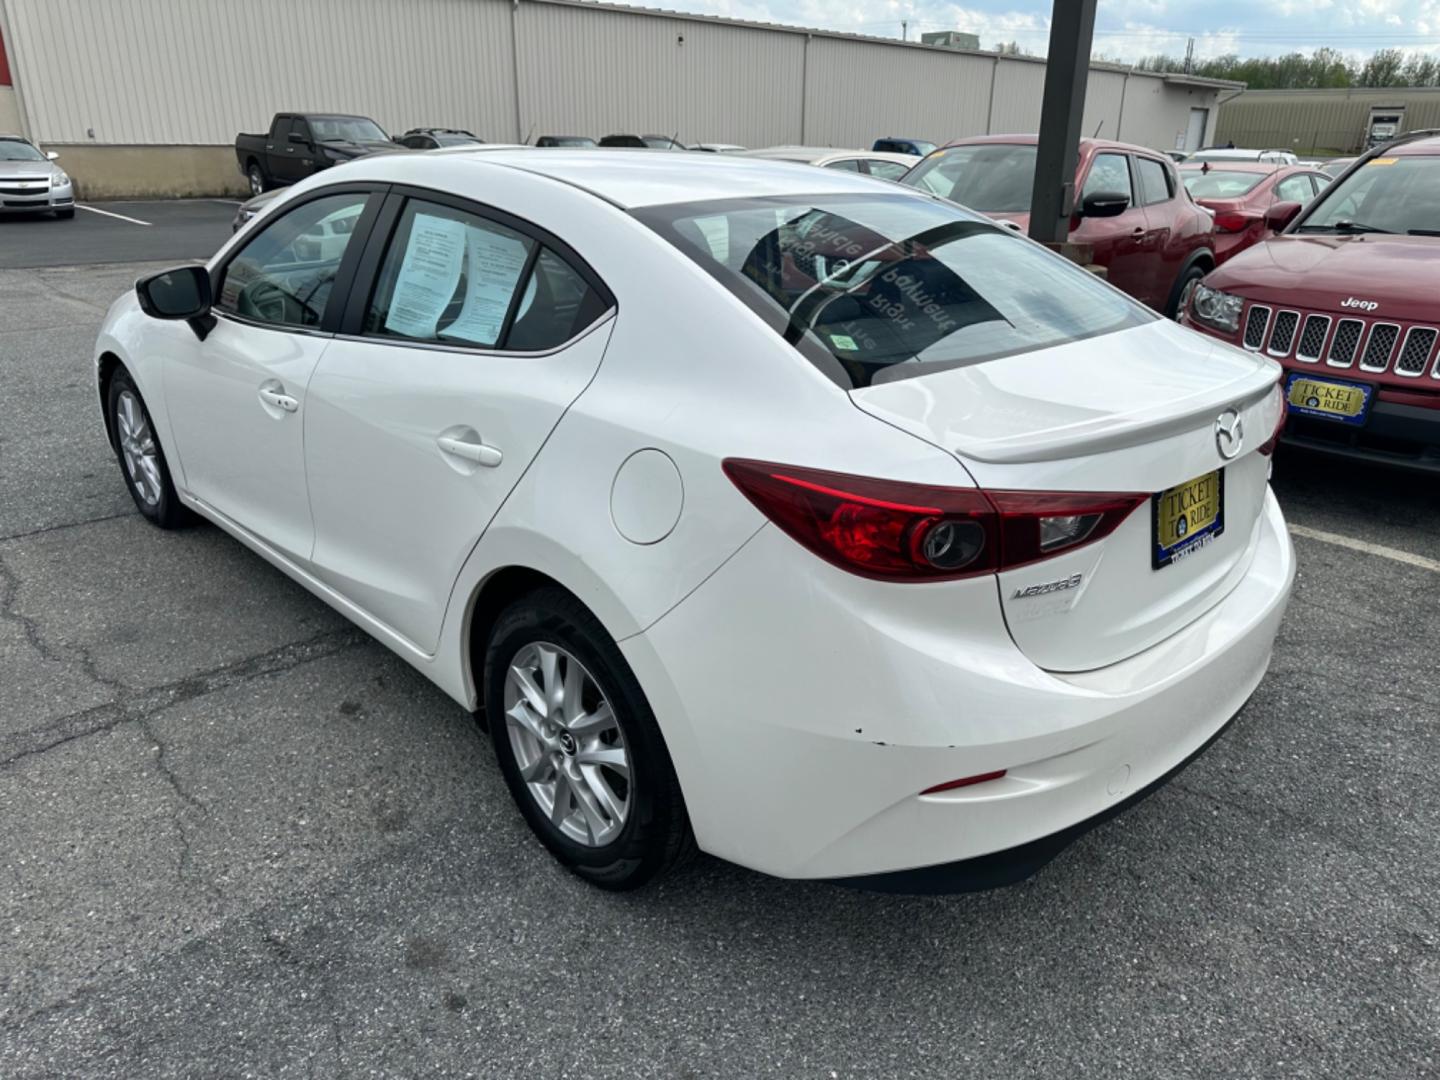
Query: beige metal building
x=146 y=96
x=1341 y=121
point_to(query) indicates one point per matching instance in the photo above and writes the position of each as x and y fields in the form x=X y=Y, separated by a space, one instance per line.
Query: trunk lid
x=1133 y=411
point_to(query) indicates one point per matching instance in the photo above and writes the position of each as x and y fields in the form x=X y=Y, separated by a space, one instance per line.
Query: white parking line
x=108 y=213
x=1367 y=548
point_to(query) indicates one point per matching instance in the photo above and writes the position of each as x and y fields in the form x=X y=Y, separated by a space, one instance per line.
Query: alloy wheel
x=137 y=447
x=257 y=182
x=568 y=744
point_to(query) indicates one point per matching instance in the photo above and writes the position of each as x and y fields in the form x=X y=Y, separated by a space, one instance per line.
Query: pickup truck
x=300 y=144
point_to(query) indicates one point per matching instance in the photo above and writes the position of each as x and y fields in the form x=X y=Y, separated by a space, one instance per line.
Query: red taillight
x=1233 y=221
x=951 y=785
x=897 y=531
x=1268 y=446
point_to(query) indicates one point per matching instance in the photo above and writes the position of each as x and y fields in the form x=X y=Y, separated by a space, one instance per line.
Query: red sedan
x=1239 y=193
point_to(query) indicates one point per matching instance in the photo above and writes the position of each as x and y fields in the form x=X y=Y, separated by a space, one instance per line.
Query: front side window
x=875 y=288
x=451 y=277
x=283 y=275
x=1154 y=180
x=1387 y=194
x=1295 y=189
x=1109 y=175
x=848 y=164
x=994 y=178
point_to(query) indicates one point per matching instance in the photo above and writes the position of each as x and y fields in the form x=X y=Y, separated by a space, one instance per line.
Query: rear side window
x=849 y=165
x=875 y=288
x=1295 y=189
x=451 y=277
x=886 y=170
x=1154 y=181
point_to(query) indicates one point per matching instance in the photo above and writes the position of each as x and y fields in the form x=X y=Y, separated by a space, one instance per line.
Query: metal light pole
x=1072 y=28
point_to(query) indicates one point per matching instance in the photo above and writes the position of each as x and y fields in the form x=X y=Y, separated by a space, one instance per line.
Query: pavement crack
x=66 y=525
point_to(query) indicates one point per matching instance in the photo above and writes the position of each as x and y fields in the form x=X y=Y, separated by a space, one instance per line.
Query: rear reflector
x=891 y=530
x=951 y=785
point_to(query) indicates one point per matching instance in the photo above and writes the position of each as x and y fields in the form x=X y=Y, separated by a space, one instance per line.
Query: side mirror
x=1280 y=215
x=51 y=155
x=1104 y=204
x=181 y=293
x=298 y=139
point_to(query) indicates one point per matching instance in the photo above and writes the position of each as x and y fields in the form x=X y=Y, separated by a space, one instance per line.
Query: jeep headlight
x=1215 y=309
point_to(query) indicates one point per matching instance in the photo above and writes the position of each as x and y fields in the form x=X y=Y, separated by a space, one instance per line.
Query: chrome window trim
x=1370 y=337
x=1356 y=352
x=279 y=328
x=1294 y=334
x=1324 y=339
x=480 y=350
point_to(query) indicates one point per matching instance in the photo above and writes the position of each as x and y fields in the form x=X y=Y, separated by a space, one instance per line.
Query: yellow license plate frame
x=1186 y=518
x=1330 y=399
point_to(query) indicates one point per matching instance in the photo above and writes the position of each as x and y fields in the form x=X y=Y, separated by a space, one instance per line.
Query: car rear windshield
x=1386 y=194
x=877 y=288
x=1218 y=184
x=994 y=178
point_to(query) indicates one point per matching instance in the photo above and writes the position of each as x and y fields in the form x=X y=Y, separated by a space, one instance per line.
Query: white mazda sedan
x=817 y=523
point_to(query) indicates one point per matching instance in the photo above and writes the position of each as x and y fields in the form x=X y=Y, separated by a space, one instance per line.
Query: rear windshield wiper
x=1422 y=232
x=1342 y=227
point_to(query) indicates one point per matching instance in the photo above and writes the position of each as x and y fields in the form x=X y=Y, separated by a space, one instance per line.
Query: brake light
x=1268 y=446
x=891 y=530
x=1233 y=221
x=967 y=781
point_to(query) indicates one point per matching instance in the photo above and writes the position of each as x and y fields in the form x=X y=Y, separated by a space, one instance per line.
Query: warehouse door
x=1195 y=136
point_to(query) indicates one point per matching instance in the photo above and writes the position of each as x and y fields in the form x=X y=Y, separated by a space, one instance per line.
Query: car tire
x=1184 y=286
x=256 y=176
x=614 y=815
x=142 y=461
x=66 y=214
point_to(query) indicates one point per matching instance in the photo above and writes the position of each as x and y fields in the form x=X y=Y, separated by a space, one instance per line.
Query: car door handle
x=477 y=452
x=279 y=400
x=1139 y=230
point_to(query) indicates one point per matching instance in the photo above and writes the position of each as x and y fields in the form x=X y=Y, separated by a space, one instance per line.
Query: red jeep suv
x=1140 y=222
x=1348 y=299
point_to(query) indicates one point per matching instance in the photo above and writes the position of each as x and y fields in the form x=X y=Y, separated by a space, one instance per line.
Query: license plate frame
x=1304 y=407
x=1191 y=540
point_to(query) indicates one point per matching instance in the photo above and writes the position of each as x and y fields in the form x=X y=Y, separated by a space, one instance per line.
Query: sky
x=1125 y=29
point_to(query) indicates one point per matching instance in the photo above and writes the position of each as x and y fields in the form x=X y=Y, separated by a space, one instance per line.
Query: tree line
x=1322 y=69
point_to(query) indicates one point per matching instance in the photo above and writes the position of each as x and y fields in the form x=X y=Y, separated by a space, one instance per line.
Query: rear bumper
x=803 y=728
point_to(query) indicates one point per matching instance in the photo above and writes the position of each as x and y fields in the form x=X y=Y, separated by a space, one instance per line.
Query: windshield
x=1217 y=184
x=875 y=288
x=346 y=129
x=1387 y=194
x=994 y=178
x=16 y=150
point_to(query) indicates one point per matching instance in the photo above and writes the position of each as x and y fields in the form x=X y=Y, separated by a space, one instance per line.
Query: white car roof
x=629 y=178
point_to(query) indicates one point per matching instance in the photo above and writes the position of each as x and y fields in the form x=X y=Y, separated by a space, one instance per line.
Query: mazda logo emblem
x=1229 y=434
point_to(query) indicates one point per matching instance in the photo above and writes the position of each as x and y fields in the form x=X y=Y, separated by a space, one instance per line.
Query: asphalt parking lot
x=242 y=839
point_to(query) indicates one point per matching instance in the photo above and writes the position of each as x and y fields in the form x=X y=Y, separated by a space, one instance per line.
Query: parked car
x=1239 y=192
x=662 y=142
x=434 y=138
x=913 y=147
x=917 y=562
x=1345 y=298
x=299 y=145
x=565 y=140
x=718 y=147
x=887 y=166
x=630 y=142
x=1177 y=155
x=1335 y=166
x=31 y=182
x=1131 y=209
x=1230 y=153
